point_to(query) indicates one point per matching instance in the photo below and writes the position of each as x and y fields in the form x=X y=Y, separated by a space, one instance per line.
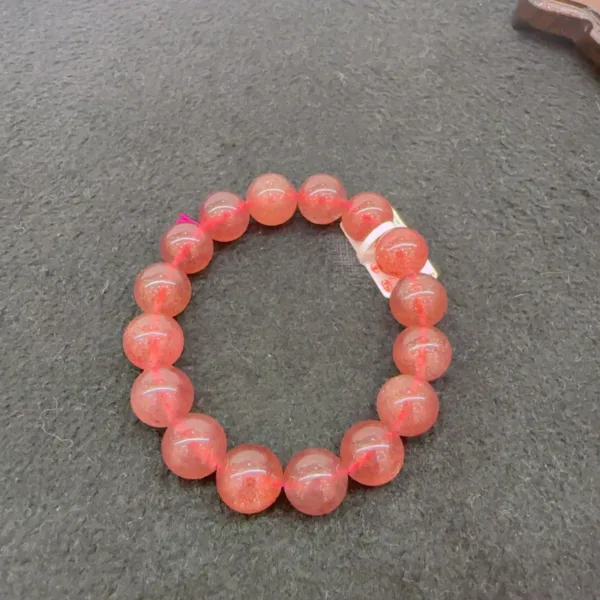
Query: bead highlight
x=194 y=446
x=364 y=213
x=422 y=351
x=322 y=199
x=161 y=396
x=371 y=453
x=315 y=482
x=250 y=479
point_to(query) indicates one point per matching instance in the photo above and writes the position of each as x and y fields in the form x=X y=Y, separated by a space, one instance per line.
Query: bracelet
x=250 y=477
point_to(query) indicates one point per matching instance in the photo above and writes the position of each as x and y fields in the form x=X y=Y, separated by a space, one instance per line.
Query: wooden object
x=577 y=20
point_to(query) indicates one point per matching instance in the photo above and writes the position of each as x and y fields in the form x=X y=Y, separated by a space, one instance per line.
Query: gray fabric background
x=117 y=115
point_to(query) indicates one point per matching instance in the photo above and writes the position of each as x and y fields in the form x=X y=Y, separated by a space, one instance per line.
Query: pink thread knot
x=183 y=218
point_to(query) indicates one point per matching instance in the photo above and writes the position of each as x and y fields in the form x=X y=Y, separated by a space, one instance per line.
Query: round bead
x=407 y=406
x=271 y=199
x=194 y=446
x=161 y=396
x=162 y=288
x=418 y=299
x=225 y=216
x=315 y=482
x=401 y=251
x=187 y=246
x=422 y=351
x=371 y=454
x=322 y=199
x=153 y=340
x=250 y=479
x=365 y=212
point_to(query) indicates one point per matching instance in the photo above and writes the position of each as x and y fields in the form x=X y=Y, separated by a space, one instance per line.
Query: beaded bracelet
x=250 y=477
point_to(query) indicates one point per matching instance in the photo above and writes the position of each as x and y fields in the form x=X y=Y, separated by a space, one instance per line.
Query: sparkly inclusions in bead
x=322 y=199
x=250 y=478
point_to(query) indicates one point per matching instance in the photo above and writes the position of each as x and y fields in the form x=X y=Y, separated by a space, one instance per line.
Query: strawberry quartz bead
x=322 y=199
x=162 y=288
x=418 y=299
x=401 y=251
x=364 y=213
x=315 y=482
x=188 y=247
x=225 y=216
x=371 y=454
x=422 y=351
x=271 y=199
x=407 y=406
x=153 y=340
x=250 y=478
x=194 y=446
x=161 y=396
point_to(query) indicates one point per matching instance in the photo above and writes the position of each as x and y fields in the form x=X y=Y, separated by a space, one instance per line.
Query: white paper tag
x=365 y=251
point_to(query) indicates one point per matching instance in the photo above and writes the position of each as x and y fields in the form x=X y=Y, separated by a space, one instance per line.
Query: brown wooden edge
x=578 y=21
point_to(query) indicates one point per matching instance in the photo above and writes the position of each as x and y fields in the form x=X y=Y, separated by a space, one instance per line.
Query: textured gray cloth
x=117 y=115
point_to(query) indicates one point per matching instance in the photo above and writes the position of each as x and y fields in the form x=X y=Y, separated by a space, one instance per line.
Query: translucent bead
x=418 y=299
x=162 y=288
x=365 y=212
x=153 y=340
x=422 y=351
x=401 y=251
x=250 y=479
x=322 y=199
x=271 y=199
x=194 y=446
x=407 y=406
x=225 y=216
x=371 y=454
x=315 y=482
x=187 y=246
x=161 y=396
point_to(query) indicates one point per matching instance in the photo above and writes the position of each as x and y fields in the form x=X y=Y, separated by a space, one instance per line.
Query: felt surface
x=116 y=116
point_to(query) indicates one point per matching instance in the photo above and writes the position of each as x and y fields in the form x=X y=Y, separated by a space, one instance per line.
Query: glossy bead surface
x=162 y=288
x=401 y=251
x=418 y=299
x=187 y=246
x=322 y=199
x=194 y=446
x=365 y=212
x=224 y=216
x=153 y=340
x=422 y=351
x=161 y=396
x=271 y=199
x=407 y=406
x=315 y=482
x=250 y=478
x=371 y=454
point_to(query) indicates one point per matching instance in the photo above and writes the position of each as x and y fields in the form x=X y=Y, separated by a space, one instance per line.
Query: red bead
x=271 y=199
x=162 y=288
x=364 y=213
x=418 y=299
x=401 y=251
x=224 y=216
x=161 y=396
x=194 y=447
x=371 y=454
x=322 y=199
x=315 y=482
x=407 y=406
x=153 y=340
x=422 y=351
x=250 y=479
x=187 y=246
